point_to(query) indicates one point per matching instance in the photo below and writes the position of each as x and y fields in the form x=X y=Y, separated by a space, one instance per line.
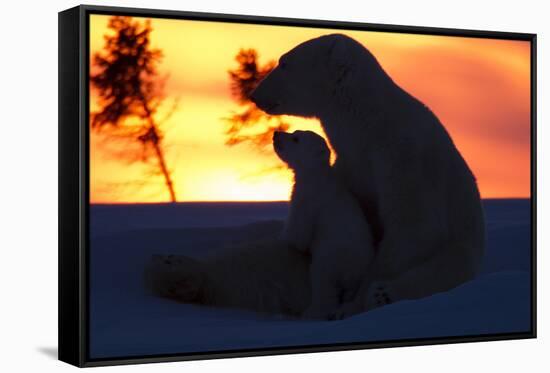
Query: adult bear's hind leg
x=449 y=268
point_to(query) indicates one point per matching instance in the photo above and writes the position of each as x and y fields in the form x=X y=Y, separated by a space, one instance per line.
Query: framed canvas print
x=240 y=185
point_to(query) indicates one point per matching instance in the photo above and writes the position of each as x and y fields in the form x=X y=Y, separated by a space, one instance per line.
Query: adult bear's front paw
x=314 y=313
x=379 y=294
x=175 y=276
x=346 y=310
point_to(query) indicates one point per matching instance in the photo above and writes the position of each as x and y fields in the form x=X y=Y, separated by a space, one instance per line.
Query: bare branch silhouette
x=130 y=93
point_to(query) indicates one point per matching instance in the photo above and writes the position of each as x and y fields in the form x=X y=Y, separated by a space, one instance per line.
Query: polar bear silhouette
x=396 y=158
x=326 y=221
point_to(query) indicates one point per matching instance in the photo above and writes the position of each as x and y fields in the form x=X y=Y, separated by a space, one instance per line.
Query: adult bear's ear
x=339 y=57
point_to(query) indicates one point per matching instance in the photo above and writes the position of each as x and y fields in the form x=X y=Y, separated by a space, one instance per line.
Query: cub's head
x=306 y=77
x=301 y=150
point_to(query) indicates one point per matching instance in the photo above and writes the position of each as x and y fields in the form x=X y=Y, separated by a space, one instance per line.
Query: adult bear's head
x=309 y=77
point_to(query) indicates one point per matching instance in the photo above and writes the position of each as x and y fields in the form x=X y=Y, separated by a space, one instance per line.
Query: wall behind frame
x=28 y=191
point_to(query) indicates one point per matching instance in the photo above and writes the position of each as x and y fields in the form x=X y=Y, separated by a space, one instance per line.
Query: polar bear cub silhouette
x=325 y=220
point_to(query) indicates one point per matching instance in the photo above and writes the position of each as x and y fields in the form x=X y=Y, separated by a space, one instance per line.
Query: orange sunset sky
x=479 y=89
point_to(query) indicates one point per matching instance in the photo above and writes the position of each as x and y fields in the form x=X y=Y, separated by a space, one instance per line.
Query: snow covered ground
x=125 y=320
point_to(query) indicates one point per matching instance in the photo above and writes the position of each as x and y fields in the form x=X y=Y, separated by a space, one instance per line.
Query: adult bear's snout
x=255 y=96
x=260 y=96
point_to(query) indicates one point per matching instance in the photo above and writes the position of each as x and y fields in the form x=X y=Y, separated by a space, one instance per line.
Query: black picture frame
x=74 y=179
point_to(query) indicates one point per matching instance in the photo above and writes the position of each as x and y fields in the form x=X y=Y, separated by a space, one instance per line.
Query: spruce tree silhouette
x=130 y=91
x=250 y=125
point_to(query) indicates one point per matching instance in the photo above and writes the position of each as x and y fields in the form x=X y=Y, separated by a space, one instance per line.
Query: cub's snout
x=278 y=140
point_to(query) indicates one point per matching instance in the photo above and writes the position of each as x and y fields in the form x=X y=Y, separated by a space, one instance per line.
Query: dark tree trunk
x=154 y=138
x=164 y=170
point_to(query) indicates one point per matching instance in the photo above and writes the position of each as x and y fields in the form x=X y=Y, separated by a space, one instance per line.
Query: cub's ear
x=324 y=153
